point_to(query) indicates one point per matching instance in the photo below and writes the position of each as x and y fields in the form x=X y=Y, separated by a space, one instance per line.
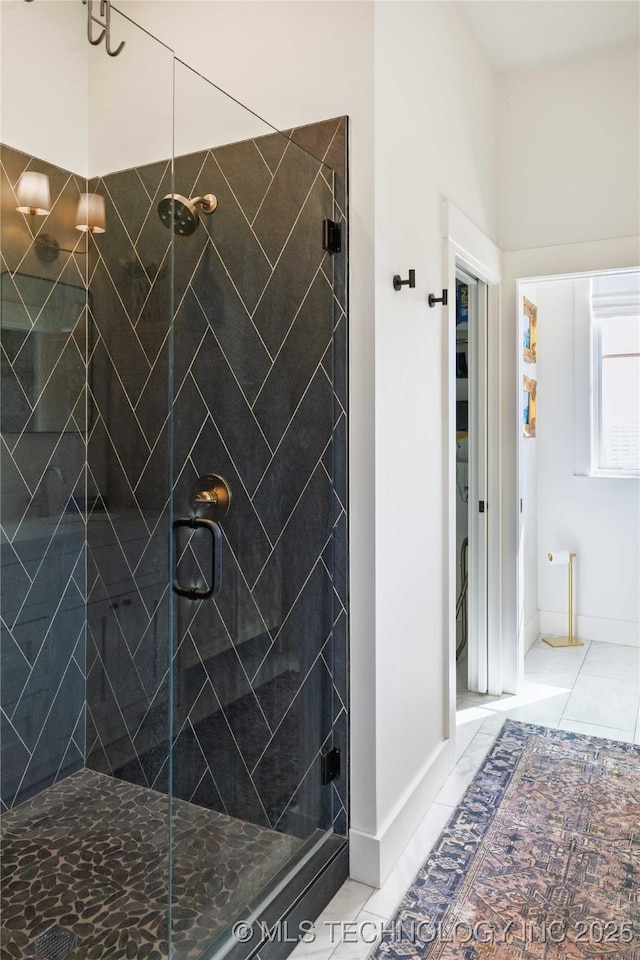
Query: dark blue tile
x=241 y=706
x=131 y=203
x=51 y=746
x=236 y=243
x=318 y=138
x=297 y=458
x=231 y=413
x=298 y=550
x=227 y=767
x=295 y=269
x=285 y=198
x=340 y=659
x=15 y=758
x=294 y=366
x=296 y=743
x=247 y=172
x=215 y=297
x=296 y=645
x=272 y=148
x=15 y=583
x=206 y=794
x=242 y=526
x=14 y=670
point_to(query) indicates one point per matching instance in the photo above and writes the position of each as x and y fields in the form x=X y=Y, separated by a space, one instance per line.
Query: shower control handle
x=212 y=496
x=198 y=593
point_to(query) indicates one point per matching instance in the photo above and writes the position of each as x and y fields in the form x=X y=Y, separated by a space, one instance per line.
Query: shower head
x=181 y=214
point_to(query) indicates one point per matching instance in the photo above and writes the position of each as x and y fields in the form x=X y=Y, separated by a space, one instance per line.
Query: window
x=615 y=414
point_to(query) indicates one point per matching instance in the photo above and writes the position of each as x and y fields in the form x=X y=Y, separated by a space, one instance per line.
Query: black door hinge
x=481 y=506
x=331 y=236
x=330 y=766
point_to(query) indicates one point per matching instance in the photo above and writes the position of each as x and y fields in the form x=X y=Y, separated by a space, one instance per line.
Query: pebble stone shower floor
x=90 y=855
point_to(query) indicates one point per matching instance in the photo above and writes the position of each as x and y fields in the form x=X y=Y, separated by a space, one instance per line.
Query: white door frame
x=465 y=246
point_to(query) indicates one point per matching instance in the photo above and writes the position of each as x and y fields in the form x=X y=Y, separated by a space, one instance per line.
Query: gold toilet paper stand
x=569 y=641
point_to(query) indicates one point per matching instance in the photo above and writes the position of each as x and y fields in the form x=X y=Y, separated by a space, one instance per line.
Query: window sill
x=610 y=475
x=627 y=484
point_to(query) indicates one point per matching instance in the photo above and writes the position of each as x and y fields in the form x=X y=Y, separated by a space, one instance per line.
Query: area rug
x=540 y=861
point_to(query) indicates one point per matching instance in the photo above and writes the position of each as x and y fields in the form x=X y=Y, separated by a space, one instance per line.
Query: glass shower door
x=173 y=500
x=129 y=599
x=255 y=506
x=86 y=493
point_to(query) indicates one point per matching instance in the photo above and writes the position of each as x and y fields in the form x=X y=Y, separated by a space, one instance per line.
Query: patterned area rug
x=540 y=861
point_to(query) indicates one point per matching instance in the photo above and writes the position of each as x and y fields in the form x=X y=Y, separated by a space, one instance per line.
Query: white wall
x=144 y=107
x=131 y=100
x=569 y=147
x=43 y=81
x=436 y=136
x=598 y=518
x=272 y=55
x=570 y=152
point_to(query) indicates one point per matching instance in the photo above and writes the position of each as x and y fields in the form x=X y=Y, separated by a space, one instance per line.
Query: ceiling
x=526 y=34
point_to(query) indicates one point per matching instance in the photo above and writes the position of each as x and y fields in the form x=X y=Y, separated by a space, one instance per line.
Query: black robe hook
x=398 y=284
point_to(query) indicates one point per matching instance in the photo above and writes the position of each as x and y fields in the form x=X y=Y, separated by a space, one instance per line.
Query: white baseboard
x=532 y=631
x=624 y=632
x=373 y=856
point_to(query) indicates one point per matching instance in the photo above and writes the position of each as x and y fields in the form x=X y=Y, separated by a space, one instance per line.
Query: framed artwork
x=529 y=389
x=530 y=331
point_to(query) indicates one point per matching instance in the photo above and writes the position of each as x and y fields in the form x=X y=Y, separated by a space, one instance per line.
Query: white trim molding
x=624 y=632
x=376 y=854
x=467 y=247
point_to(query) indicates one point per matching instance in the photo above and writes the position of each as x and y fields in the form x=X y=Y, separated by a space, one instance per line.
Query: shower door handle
x=197 y=593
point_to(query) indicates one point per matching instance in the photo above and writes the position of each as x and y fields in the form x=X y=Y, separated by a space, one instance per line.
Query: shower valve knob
x=213 y=493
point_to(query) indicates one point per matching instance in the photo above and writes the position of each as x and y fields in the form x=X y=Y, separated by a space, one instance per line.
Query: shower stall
x=173 y=510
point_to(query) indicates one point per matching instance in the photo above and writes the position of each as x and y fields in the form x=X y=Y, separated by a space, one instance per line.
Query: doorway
x=578 y=462
x=471 y=482
x=473 y=259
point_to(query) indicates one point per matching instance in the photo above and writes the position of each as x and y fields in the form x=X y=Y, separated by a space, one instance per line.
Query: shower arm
x=208 y=202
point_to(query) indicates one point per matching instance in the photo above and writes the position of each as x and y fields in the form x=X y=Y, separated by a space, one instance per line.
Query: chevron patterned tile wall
x=42 y=471
x=257 y=363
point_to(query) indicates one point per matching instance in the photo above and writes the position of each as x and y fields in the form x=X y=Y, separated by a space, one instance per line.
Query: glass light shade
x=33 y=193
x=91 y=216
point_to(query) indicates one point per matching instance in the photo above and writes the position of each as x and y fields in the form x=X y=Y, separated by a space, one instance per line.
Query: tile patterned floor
x=593 y=689
x=90 y=854
x=569 y=689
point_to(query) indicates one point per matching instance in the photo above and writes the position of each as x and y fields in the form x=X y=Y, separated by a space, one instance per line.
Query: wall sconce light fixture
x=33 y=193
x=91 y=215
